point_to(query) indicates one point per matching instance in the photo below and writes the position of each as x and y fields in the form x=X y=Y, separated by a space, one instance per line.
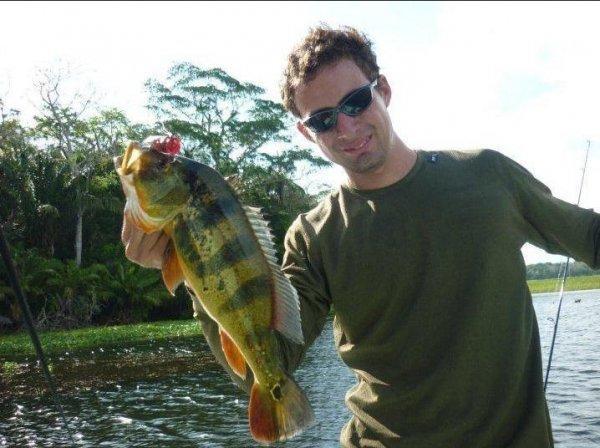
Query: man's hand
x=145 y=249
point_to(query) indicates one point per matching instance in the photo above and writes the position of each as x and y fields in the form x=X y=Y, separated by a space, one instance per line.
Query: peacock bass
x=224 y=253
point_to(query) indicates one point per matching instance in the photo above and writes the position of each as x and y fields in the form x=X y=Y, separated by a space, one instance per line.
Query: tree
x=86 y=146
x=222 y=121
x=227 y=124
x=63 y=130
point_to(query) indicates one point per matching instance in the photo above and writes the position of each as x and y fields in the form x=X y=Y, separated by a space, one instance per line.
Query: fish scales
x=235 y=287
x=227 y=259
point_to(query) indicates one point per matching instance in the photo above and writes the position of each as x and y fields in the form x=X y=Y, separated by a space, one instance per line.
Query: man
x=419 y=255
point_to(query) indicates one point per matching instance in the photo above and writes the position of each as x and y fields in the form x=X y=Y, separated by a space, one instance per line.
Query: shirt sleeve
x=301 y=264
x=551 y=223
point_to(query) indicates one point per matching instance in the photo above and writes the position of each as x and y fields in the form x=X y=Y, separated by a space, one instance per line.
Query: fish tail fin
x=278 y=413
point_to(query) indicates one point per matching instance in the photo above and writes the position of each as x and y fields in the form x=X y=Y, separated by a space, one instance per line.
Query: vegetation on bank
x=61 y=201
x=58 y=342
x=540 y=271
x=572 y=284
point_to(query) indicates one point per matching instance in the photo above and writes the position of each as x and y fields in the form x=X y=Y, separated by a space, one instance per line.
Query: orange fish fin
x=278 y=413
x=286 y=313
x=234 y=357
x=171 y=269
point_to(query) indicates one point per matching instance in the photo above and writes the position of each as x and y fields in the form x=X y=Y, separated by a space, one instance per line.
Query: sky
x=517 y=77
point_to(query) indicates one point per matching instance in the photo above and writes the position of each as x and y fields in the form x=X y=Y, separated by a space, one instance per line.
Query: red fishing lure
x=168 y=145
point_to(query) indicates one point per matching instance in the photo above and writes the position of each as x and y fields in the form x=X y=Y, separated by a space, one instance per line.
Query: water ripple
x=175 y=395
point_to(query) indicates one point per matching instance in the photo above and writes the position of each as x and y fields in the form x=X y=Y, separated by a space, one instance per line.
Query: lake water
x=175 y=395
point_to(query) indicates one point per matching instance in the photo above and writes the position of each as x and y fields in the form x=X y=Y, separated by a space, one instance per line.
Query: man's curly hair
x=321 y=47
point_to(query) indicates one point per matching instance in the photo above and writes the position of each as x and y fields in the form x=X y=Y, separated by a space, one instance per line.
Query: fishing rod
x=14 y=280
x=564 y=279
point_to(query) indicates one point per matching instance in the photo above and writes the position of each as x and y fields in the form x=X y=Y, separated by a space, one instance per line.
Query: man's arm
x=550 y=223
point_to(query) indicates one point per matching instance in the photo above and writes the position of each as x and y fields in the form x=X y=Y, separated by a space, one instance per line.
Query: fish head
x=155 y=184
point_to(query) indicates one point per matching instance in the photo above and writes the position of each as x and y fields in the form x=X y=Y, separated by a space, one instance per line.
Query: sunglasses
x=352 y=105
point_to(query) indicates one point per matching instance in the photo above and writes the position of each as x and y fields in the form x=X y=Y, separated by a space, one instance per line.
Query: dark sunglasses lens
x=358 y=101
x=322 y=122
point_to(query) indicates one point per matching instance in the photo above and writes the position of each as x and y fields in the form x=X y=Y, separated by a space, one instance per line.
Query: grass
x=572 y=284
x=61 y=341
x=73 y=341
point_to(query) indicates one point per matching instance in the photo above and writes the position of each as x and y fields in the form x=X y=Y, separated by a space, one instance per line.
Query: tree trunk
x=79 y=234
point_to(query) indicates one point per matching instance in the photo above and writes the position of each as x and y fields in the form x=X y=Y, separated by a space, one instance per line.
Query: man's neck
x=400 y=160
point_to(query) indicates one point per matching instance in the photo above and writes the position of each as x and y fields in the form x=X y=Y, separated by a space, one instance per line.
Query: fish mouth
x=133 y=209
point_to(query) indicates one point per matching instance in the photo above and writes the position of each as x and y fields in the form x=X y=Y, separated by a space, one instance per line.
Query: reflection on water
x=175 y=395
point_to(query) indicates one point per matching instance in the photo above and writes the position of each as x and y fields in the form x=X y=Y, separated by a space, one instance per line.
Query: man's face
x=359 y=144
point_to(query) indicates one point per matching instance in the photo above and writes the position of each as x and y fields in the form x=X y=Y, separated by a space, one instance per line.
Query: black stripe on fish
x=229 y=254
x=247 y=293
x=187 y=248
x=212 y=209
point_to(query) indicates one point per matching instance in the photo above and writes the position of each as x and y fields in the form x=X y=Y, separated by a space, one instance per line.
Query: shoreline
x=17 y=347
x=582 y=283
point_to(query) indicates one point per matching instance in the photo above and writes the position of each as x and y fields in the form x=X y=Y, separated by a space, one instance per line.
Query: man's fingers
x=154 y=246
x=127 y=227
x=145 y=249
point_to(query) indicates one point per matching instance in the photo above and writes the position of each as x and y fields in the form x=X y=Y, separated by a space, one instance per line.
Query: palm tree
x=130 y=291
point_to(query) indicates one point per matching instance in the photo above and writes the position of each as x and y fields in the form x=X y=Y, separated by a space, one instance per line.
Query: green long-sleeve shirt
x=432 y=309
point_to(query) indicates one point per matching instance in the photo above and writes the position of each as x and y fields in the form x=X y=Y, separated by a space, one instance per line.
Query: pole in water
x=14 y=280
x=564 y=279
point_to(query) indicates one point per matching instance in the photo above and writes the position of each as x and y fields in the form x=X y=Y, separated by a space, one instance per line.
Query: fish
x=223 y=251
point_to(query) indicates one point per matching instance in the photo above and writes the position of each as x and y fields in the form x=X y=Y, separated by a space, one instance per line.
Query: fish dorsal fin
x=234 y=357
x=286 y=318
x=171 y=269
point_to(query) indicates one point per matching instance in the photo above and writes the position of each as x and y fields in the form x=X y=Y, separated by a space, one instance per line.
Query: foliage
x=57 y=342
x=61 y=201
x=222 y=121
x=132 y=291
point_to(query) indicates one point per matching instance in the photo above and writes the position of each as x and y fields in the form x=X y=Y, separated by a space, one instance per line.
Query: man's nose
x=346 y=125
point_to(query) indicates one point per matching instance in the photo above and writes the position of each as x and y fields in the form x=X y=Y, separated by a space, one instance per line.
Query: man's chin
x=366 y=163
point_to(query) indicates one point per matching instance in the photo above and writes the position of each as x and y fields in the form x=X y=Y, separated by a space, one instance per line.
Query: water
x=175 y=395
x=573 y=391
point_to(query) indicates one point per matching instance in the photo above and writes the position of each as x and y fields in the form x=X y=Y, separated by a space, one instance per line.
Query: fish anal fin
x=234 y=357
x=171 y=269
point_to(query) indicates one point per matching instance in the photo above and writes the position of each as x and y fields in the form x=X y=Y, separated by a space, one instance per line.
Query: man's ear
x=383 y=87
x=304 y=131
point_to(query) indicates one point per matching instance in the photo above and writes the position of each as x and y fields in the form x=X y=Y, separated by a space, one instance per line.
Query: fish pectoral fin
x=171 y=269
x=234 y=357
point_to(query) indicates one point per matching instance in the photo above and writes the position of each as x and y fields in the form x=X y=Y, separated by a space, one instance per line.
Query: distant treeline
x=553 y=270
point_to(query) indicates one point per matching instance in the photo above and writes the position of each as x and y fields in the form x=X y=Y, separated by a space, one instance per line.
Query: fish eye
x=163 y=160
